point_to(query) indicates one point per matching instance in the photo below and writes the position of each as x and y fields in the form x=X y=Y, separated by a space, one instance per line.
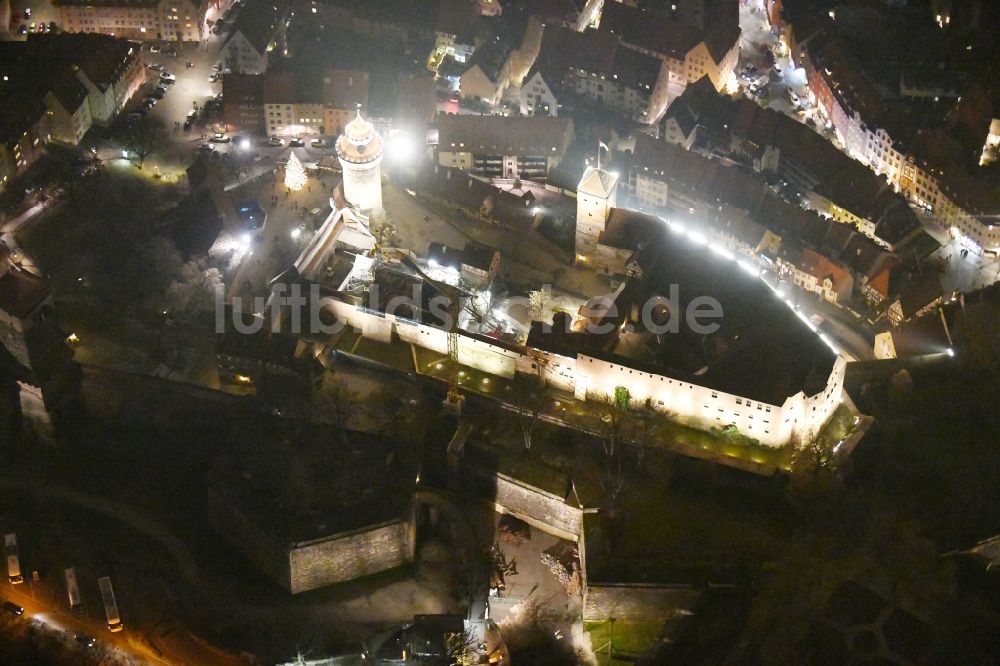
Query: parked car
x=155 y=48
x=213 y=77
x=206 y=148
x=296 y=143
x=275 y=141
x=318 y=143
x=13 y=608
x=167 y=77
x=219 y=137
x=158 y=93
x=155 y=66
x=188 y=123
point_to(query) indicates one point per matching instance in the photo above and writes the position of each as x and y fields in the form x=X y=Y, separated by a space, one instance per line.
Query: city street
x=40 y=607
x=755 y=42
x=966 y=272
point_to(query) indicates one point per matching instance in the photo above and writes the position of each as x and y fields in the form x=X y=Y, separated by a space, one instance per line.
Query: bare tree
x=530 y=401
x=531 y=633
x=649 y=426
x=462 y=649
x=337 y=402
x=613 y=421
x=143 y=138
x=479 y=306
x=815 y=460
x=401 y=413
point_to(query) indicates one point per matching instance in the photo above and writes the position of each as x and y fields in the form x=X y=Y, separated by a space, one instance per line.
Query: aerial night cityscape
x=523 y=332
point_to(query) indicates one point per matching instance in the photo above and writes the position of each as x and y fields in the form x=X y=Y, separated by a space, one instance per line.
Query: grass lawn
x=730 y=446
x=631 y=639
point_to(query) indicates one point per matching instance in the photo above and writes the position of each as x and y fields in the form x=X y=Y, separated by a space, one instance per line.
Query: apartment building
x=506 y=147
x=502 y=61
x=258 y=32
x=299 y=101
x=688 y=52
x=537 y=97
x=24 y=132
x=596 y=66
x=919 y=163
x=56 y=87
x=833 y=183
x=243 y=102
x=813 y=272
x=171 y=20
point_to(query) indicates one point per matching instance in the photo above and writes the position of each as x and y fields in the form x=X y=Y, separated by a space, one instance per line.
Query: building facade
x=536 y=97
x=853 y=108
x=687 y=52
x=507 y=147
x=170 y=20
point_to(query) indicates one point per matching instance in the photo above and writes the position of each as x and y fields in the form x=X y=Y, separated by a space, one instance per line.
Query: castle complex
x=766 y=372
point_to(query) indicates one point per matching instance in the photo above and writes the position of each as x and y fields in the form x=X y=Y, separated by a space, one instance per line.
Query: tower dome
x=359 y=150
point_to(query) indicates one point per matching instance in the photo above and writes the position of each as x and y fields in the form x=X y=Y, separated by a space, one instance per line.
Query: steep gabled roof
x=650 y=30
x=683 y=116
x=918 y=294
x=258 y=22
x=70 y=93
x=491 y=57
x=562 y=49
x=21 y=292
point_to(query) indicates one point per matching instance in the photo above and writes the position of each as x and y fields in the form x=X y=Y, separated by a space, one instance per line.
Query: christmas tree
x=295 y=174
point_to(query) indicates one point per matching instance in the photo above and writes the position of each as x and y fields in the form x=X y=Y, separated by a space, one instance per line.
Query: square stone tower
x=596 y=195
